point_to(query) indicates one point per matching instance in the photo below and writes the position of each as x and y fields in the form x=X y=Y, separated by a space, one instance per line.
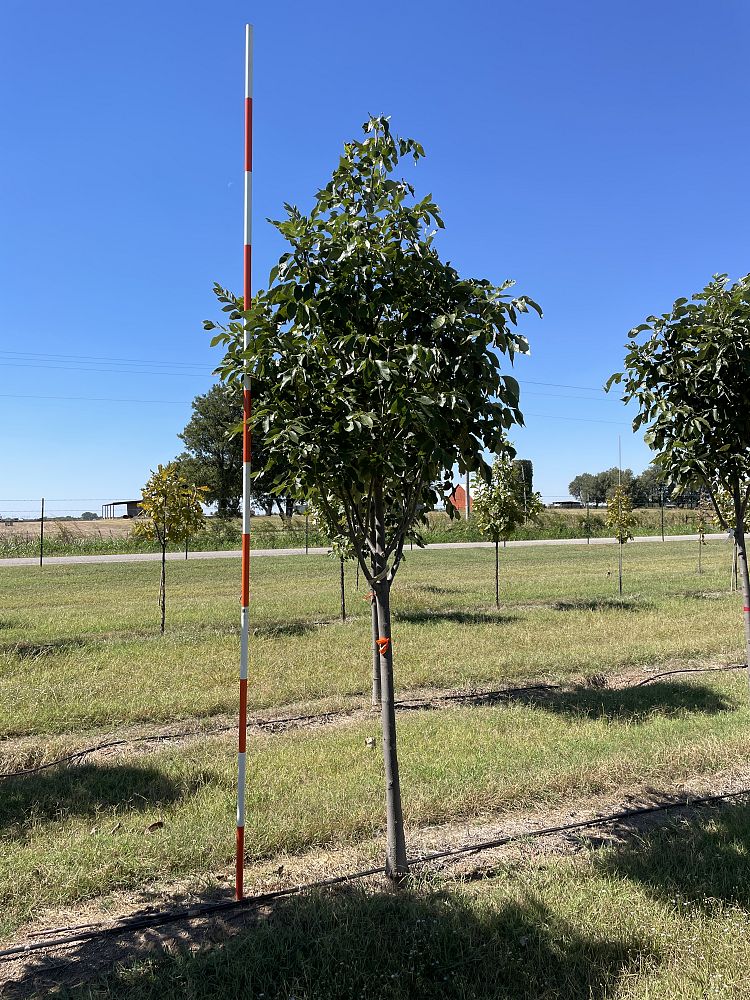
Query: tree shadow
x=284 y=630
x=36 y=650
x=631 y=704
x=460 y=617
x=603 y=604
x=85 y=790
x=354 y=943
x=702 y=857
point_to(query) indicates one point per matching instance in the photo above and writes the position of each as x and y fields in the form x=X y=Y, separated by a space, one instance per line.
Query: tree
x=620 y=522
x=649 y=487
x=583 y=488
x=89 y=515
x=213 y=455
x=523 y=470
x=172 y=512
x=376 y=369
x=706 y=515
x=689 y=371
x=502 y=504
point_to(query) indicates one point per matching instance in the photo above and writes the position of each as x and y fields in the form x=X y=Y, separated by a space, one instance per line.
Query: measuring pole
x=41 y=537
x=246 y=455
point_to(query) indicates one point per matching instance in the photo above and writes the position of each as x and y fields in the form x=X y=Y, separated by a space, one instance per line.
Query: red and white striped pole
x=246 y=454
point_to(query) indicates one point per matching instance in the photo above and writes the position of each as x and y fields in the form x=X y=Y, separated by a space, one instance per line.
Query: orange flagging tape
x=746 y=610
x=383 y=645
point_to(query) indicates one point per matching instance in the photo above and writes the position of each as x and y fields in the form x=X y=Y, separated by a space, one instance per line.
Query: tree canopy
x=689 y=371
x=375 y=366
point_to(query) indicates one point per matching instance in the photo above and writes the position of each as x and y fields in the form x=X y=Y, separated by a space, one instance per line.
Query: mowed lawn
x=80 y=646
x=664 y=916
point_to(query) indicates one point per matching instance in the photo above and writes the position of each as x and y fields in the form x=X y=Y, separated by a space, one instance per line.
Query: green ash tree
x=376 y=370
x=172 y=513
x=689 y=371
x=502 y=503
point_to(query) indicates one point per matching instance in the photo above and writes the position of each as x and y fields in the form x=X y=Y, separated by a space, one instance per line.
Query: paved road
x=259 y=553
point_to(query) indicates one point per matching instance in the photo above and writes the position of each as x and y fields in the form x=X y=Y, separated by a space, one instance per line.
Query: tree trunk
x=497 y=574
x=396 y=864
x=733 y=575
x=739 y=534
x=376 y=698
x=342 y=589
x=163 y=587
x=700 y=556
x=619 y=566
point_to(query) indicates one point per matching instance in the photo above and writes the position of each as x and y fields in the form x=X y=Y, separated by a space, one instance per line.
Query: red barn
x=458 y=500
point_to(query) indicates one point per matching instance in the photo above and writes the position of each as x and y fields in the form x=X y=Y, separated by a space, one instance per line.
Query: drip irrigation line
x=90 y=932
x=165 y=737
x=691 y=670
x=487 y=845
x=496 y=694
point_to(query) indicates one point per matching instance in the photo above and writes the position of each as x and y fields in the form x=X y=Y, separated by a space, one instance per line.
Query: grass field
x=665 y=919
x=114 y=535
x=81 y=658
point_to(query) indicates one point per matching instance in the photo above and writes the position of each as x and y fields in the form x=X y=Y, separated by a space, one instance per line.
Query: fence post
x=41 y=537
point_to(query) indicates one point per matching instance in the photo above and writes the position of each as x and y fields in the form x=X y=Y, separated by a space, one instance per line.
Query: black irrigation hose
x=270 y=723
x=209 y=909
x=163 y=738
x=691 y=670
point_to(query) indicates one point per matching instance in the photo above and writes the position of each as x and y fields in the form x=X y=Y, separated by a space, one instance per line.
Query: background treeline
x=649 y=489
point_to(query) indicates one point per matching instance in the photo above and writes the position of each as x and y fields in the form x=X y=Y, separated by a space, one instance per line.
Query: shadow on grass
x=336 y=946
x=702 y=858
x=460 y=617
x=284 y=630
x=603 y=604
x=631 y=704
x=36 y=650
x=84 y=790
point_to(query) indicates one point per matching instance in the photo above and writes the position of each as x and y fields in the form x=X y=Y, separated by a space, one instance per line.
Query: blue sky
x=596 y=153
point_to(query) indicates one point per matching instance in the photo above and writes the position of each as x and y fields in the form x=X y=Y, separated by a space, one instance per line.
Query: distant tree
x=583 y=488
x=689 y=371
x=649 y=487
x=377 y=369
x=706 y=516
x=620 y=521
x=524 y=473
x=89 y=515
x=213 y=455
x=172 y=512
x=501 y=505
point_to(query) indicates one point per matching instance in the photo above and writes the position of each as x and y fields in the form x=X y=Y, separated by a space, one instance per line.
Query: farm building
x=132 y=508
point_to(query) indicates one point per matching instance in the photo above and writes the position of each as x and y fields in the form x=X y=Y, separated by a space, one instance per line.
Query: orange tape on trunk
x=384 y=646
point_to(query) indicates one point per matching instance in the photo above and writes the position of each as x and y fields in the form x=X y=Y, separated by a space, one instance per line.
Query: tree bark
x=619 y=566
x=739 y=535
x=342 y=589
x=497 y=574
x=396 y=863
x=376 y=697
x=163 y=587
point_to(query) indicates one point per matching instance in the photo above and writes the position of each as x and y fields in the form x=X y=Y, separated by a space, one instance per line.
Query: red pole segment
x=246 y=457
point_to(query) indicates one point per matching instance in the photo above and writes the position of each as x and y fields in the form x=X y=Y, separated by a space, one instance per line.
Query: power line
x=583 y=420
x=90 y=357
x=91 y=399
x=100 y=371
